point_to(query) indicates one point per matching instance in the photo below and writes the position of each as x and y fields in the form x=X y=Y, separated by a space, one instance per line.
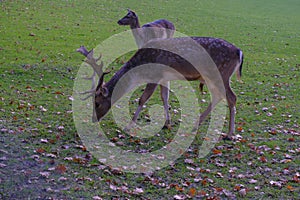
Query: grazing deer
x=224 y=55
x=161 y=28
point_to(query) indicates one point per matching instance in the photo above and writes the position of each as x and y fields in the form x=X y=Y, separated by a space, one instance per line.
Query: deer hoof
x=127 y=128
x=227 y=138
x=167 y=126
x=130 y=127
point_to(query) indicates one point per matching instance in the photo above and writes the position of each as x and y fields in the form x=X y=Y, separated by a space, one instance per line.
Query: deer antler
x=97 y=69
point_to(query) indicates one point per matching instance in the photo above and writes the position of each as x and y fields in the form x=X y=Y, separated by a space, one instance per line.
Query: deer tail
x=239 y=70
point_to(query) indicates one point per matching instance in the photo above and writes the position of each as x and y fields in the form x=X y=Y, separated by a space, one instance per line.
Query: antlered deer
x=161 y=28
x=226 y=57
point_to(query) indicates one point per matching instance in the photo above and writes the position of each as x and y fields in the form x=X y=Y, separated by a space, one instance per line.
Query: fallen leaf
x=2 y=165
x=276 y=183
x=253 y=181
x=285 y=161
x=192 y=192
x=237 y=188
x=43 y=109
x=44 y=141
x=79 y=160
x=71 y=98
x=287 y=156
x=251 y=146
x=179 y=197
x=62 y=178
x=123 y=189
x=40 y=150
x=138 y=191
x=257 y=188
x=189 y=161
x=217 y=152
x=202 y=193
x=290 y=188
x=243 y=192
x=45 y=174
x=3 y=130
x=219 y=174
x=204 y=182
x=113 y=187
x=61 y=168
x=263 y=159
x=51 y=155
x=59 y=92
x=238 y=156
x=296 y=179
x=218 y=189
x=241 y=176
x=240 y=129
x=83 y=148
x=180 y=189
x=97 y=198
x=273 y=131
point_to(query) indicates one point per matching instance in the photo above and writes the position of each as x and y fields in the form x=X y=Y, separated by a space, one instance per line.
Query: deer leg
x=231 y=100
x=205 y=113
x=201 y=87
x=164 y=93
x=150 y=88
x=215 y=101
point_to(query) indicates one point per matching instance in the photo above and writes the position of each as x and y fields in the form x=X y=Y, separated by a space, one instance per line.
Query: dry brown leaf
x=61 y=168
x=40 y=150
x=290 y=188
x=192 y=192
x=180 y=189
x=263 y=159
x=217 y=152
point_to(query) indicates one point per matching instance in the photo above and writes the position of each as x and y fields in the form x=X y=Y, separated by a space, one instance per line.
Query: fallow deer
x=225 y=56
x=161 y=28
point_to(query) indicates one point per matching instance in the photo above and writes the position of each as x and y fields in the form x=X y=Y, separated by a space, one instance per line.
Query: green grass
x=38 y=64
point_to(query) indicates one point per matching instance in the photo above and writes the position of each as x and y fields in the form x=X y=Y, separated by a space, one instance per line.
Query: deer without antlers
x=161 y=28
x=226 y=57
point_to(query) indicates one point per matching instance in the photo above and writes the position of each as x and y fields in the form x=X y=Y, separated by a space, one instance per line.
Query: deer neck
x=123 y=88
x=135 y=24
x=137 y=33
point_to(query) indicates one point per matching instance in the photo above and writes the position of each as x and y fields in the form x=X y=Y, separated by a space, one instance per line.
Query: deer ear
x=132 y=13
x=104 y=91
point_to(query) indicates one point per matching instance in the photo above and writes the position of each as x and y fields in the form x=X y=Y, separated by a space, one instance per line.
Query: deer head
x=100 y=94
x=102 y=101
x=129 y=19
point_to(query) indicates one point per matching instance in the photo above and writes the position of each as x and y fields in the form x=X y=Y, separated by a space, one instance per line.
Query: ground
x=42 y=156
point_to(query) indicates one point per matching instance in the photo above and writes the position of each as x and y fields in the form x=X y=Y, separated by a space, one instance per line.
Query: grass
x=41 y=155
